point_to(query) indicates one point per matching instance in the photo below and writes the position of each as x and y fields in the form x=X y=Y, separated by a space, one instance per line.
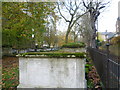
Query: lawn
x=10 y=72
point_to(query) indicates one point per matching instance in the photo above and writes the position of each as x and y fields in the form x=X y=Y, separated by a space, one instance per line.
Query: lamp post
x=36 y=46
x=33 y=36
x=107 y=45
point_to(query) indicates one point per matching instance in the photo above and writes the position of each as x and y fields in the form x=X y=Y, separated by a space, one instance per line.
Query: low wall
x=6 y=51
x=36 y=72
x=74 y=49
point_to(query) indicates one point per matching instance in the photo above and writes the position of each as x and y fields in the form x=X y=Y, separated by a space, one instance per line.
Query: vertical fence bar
x=118 y=58
x=108 y=76
x=118 y=72
x=107 y=66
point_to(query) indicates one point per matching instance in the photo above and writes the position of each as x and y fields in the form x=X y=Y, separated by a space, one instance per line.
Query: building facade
x=118 y=20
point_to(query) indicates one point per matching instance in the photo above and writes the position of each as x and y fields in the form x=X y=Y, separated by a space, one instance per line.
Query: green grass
x=10 y=77
x=73 y=45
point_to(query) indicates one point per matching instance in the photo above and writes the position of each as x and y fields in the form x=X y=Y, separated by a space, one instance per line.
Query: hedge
x=74 y=45
x=116 y=40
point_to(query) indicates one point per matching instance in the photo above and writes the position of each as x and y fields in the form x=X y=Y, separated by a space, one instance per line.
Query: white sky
x=106 y=20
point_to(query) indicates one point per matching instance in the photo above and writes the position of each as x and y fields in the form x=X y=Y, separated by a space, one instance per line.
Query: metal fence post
x=109 y=70
x=118 y=71
x=108 y=65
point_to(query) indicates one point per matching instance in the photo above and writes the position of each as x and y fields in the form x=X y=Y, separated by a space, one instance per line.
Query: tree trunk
x=67 y=34
x=74 y=39
x=94 y=32
x=66 y=38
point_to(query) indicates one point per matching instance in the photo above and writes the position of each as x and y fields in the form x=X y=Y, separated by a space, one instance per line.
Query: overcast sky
x=107 y=19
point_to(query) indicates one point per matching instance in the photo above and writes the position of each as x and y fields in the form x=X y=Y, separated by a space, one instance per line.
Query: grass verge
x=10 y=73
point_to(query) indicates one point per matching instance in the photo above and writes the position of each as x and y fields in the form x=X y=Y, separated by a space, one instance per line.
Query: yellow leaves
x=18 y=21
x=24 y=35
x=116 y=40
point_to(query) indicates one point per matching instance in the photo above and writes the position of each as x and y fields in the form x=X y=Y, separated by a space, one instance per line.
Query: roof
x=109 y=34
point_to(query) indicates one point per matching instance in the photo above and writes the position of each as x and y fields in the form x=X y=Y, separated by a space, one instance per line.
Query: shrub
x=74 y=45
x=116 y=40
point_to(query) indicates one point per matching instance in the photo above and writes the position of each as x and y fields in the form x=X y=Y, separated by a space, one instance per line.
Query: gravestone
x=45 y=72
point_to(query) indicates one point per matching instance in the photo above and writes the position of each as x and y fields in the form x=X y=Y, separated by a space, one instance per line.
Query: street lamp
x=107 y=44
x=36 y=46
x=33 y=36
x=108 y=52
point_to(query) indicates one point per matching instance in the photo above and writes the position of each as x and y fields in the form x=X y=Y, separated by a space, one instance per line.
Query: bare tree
x=86 y=30
x=94 y=8
x=50 y=36
x=73 y=8
x=82 y=30
x=76 y=31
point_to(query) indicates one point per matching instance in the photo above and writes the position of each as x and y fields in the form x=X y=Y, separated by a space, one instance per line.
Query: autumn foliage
x=116 y=40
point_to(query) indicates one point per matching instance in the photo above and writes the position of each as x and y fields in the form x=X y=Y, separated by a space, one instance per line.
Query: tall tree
x=51 y=30
x=39 y=13
x=13 y=24
x=94 y=8
x=85 y=29
x=73 y=9
x=20 y=18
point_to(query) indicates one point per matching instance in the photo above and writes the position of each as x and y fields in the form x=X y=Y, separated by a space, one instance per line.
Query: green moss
x=74 y=45
x=56 y=54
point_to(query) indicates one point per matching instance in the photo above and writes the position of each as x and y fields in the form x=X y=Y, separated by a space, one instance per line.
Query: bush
x=74 y=45
x=116 y=40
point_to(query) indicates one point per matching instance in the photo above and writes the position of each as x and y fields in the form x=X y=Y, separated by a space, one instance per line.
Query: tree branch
x=68 y=10
x=101 y=7
x=61 y=14
x=84 y=4
x=77 y=19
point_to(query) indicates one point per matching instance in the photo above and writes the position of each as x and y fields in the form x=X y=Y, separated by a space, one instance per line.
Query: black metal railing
x=108 y=67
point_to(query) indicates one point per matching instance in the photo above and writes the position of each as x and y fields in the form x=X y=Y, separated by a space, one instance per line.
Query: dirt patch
x=8 y=62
